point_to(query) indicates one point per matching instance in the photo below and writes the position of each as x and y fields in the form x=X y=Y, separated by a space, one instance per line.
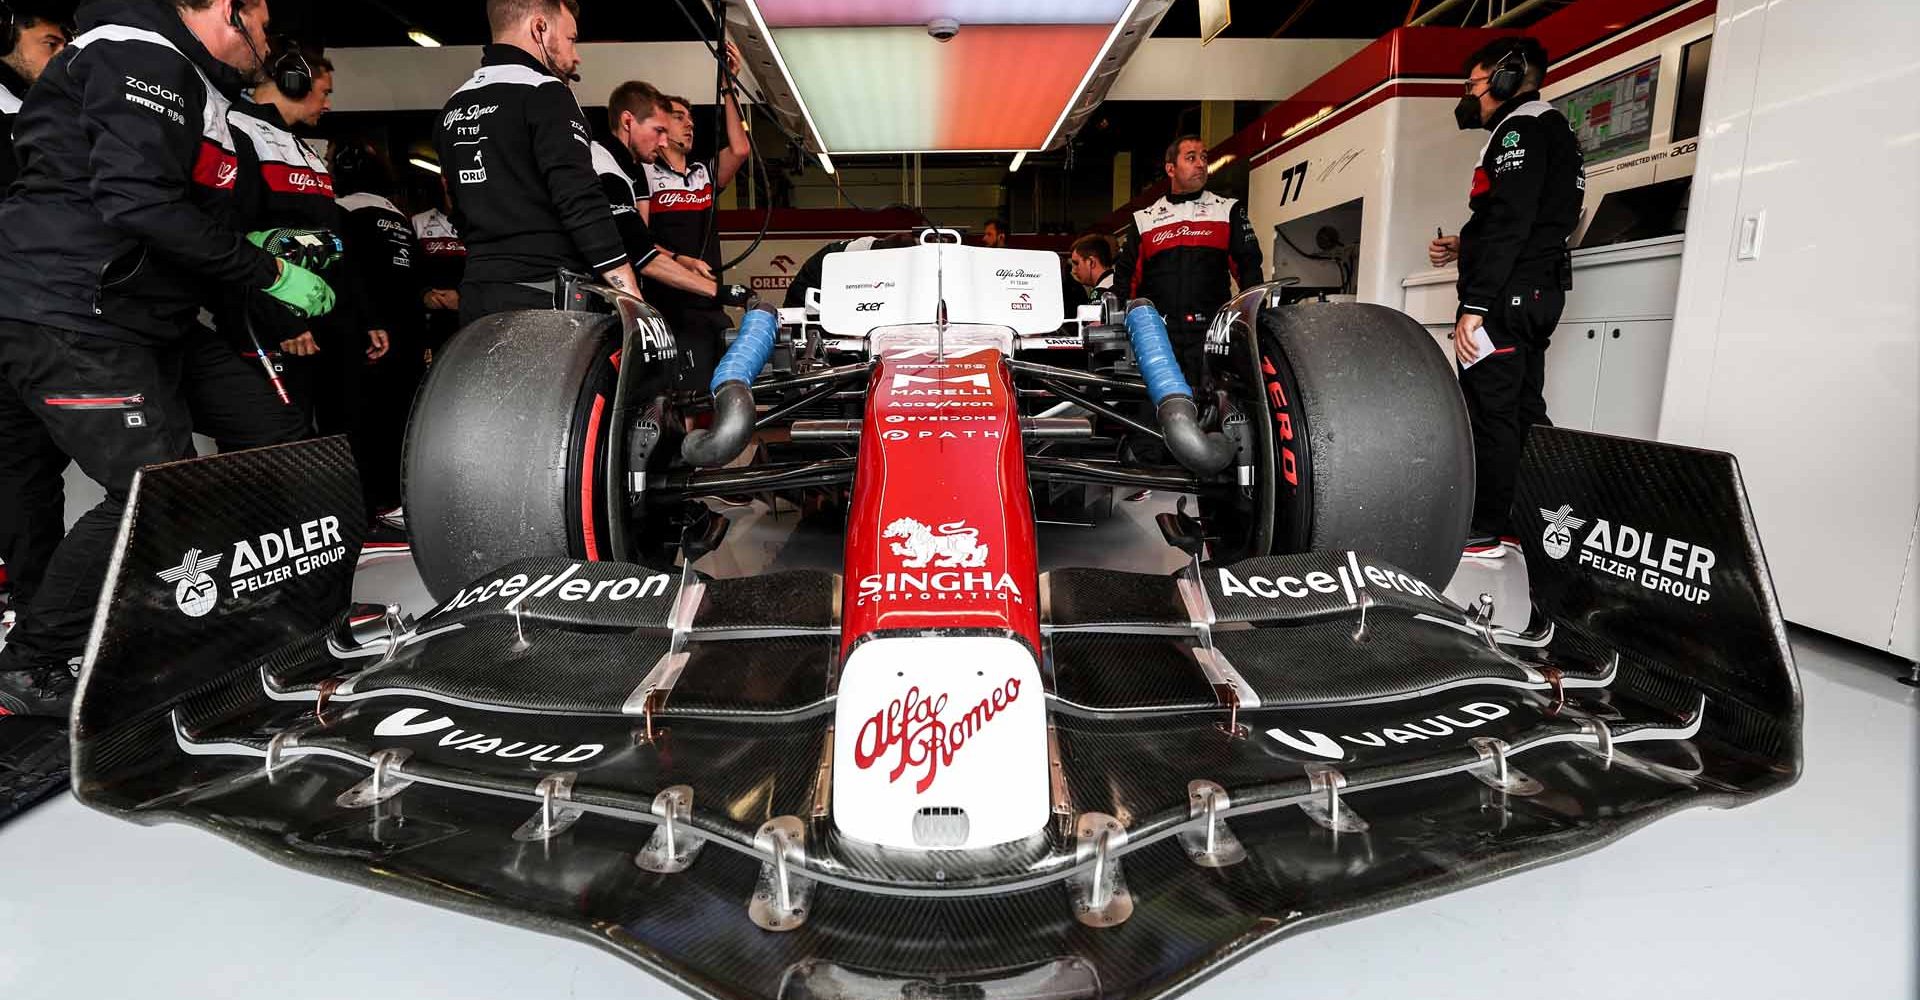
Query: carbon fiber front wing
x=643 y=759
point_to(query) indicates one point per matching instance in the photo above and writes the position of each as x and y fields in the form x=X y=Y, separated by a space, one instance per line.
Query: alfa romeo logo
x=1561 y=524
x=194 y=591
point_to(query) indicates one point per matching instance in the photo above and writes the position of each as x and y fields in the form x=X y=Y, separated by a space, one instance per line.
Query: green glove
x=302 y=291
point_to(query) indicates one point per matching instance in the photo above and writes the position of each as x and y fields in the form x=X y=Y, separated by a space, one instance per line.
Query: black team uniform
x=679 y=210
x=117 y=232
x=526 y=201
x=442 y=263
x=12 y=90
x=1181 y=252
x=381 y=246
x=1514 y=272
x=283 y=183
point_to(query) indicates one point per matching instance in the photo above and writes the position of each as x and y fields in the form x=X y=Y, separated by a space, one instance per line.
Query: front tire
x=1360 y=438
x=506 y=451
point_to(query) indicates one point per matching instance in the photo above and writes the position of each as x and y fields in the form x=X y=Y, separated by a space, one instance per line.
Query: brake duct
x=733 y=412
x=1201 y=451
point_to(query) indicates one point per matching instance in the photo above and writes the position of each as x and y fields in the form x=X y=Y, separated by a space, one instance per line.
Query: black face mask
x=1466 y=114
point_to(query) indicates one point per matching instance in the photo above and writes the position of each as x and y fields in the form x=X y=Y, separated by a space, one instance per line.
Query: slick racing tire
x=506 y=452
x=1360 y=439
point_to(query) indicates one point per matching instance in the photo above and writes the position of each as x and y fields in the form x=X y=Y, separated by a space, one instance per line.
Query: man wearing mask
x=31 y=41
x=515 y=148
x=112 y=243
x=679 y=208
x=1514 y=272
x=1185 y=252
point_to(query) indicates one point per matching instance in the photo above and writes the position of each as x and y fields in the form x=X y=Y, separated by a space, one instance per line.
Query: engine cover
x=941 y=728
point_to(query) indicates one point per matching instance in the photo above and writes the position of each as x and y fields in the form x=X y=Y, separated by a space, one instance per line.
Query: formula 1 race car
x=938 y=771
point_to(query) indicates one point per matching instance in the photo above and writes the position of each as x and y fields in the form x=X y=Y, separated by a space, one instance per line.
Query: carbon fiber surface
x=1431 y=732
x=800 y=599
x=1091 y=598
x=33 y=762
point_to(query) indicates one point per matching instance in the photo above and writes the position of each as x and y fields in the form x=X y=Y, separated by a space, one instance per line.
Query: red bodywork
x=941 y=534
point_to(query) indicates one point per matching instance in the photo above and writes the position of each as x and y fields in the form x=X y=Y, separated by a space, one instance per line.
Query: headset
x=9 y=29
x=1508 y=76
x=290 y=71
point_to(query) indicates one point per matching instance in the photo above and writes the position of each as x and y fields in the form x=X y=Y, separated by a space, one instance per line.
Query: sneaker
x=1483 y=547
x=40 y=690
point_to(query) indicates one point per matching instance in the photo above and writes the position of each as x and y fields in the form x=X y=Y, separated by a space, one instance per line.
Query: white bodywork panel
x=1017 y=289
x=940 y=723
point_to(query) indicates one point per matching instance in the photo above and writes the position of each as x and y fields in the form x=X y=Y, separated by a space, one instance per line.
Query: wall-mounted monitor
x=1614 y=117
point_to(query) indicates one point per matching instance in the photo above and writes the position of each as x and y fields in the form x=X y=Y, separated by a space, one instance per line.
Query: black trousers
x=484 y=298
x=112 y=408
x=1504 y=397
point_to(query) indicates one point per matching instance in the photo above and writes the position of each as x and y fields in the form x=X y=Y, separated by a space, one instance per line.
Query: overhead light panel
x=1225 y=158
x=826 y=164
x=870 y=76
x=422 y=39
x=425 y=164
x=1018 y=158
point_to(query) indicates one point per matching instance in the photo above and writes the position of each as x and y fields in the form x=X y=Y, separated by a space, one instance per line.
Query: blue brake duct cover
x=1153 y=352
x=749 y=351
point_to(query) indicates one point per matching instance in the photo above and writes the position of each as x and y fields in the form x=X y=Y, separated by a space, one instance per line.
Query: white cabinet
x=1607 y=363
x=1633 y=371
x=1573 y=373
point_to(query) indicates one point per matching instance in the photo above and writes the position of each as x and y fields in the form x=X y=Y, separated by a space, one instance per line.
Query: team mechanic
x=31 y=526
x=641 y=121
x=113 y=239
x=1514 y=269
x=516 y=145
x=29 y=39
x=283 y=183
x=1182 y=249
x=680 y=193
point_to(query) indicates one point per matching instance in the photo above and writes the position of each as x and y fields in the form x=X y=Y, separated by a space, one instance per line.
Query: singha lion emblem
x=954 y=545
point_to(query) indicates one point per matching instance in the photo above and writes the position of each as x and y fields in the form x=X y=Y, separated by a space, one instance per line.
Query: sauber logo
x=1561 y=524
x=406 y=722
x=954 y=546
x=194 y=591
x=912 y=726
x=1671 y=566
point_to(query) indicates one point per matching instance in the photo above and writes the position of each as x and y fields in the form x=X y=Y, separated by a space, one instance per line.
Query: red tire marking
x=587 y=477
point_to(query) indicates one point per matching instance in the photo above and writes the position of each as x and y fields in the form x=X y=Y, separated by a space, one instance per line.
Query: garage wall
x=1803 y=357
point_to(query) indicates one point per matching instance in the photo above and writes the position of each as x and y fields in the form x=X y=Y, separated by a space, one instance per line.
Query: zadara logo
x=913 y=727
x=194 y=592
x=1671 y=566
x=406 y=722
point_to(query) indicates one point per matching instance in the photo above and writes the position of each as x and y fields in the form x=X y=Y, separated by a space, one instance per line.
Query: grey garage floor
x=1808 y=894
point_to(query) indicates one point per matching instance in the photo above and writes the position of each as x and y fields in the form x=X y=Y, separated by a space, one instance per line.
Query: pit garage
x=1024 y=518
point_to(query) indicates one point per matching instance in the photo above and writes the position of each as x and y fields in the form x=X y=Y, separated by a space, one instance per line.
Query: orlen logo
x=912 y=726
x=782 y=263
x=405 y=722
x=1024 y=303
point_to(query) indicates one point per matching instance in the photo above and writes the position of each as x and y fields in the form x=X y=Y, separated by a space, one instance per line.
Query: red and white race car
x=937 y=771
